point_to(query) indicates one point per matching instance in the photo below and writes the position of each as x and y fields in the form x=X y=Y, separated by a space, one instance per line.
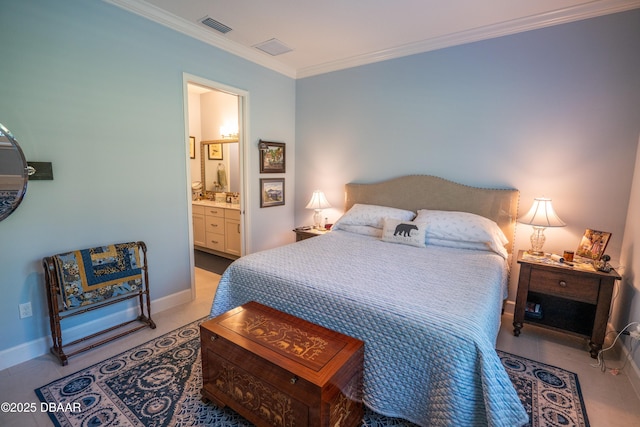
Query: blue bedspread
x=429 y=318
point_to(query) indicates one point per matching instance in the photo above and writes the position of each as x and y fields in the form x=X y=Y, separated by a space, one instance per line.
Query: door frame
x=243 y=137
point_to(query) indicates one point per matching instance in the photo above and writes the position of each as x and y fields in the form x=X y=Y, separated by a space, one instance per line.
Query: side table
x=570 y=299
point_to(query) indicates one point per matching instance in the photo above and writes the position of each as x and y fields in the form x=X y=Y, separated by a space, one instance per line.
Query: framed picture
x=271 y=192
x=272 y=157
x=215 y=152
x=593 y=244
x=192 y=147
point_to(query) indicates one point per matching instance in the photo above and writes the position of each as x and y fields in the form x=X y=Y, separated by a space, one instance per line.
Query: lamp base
x=317 y=219
x=537 y=241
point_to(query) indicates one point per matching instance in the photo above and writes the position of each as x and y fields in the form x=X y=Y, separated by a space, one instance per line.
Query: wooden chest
x=278 y=370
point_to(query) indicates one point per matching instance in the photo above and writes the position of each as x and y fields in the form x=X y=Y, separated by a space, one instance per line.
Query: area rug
x=158 y=384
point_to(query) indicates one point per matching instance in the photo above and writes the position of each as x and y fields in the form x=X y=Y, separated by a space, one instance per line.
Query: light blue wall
x=628 y=296
x=553 y=112
x=97 y=91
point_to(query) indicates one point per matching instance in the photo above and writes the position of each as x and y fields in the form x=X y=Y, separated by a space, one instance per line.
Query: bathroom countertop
x=212 y=203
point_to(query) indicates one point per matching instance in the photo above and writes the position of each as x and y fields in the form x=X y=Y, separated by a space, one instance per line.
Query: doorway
x=215 y=126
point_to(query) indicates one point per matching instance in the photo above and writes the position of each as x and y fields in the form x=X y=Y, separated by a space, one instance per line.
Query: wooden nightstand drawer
x=561 y=284
x=307 y=233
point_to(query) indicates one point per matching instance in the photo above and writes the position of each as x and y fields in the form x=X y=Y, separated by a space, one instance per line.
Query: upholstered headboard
x=414 y=192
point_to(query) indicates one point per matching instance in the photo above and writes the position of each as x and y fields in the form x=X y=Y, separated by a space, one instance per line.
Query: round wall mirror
x=13 y=173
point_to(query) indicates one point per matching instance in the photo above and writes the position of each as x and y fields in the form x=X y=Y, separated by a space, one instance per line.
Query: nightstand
x=306 y=233
x=570 y=299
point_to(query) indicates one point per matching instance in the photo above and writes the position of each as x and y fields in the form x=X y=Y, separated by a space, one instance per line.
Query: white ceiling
x=329 y=35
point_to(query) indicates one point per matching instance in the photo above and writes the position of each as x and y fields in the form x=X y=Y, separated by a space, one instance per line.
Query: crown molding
x=557 y=17
x=192 y=29
x=534 y=22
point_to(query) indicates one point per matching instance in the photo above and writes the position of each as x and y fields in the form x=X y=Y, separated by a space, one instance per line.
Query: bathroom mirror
x=210 y=158
x=13 y=173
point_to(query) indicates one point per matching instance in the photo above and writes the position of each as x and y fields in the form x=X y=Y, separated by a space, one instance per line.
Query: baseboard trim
x=39 y=347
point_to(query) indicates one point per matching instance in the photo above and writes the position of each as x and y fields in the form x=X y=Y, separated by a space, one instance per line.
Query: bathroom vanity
x=216 y=228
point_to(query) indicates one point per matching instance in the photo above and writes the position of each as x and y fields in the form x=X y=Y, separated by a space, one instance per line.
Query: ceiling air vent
x=273 y=47
x=218 y=26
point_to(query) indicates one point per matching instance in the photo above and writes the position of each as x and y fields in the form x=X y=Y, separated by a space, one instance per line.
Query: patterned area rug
x=158 y=384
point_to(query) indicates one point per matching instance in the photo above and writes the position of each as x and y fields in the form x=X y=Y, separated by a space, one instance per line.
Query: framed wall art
x=272 y=157
x=215 y=152
x=593 y=244
x=192 y=147
x=271 y=192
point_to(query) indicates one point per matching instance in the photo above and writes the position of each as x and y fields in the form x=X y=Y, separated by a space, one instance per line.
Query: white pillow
x=361 y=229
x=463 y=227
x=458 y=244
x=371 y=215
x=404 y=232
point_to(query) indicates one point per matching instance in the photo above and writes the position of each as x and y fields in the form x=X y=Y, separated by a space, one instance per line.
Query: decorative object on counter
x=593 y=244
x=271 y=192
x=272 y=157
x=540 y=216
x=568 y=256
x=196 y=190
x=318 y=202
x=603 y=264
x=233 y=198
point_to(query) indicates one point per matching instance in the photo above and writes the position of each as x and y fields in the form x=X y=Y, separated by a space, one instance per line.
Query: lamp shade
x=318 y=201
x=541 y=214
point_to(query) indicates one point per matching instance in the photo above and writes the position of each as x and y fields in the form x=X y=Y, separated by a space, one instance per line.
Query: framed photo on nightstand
x=593 y=244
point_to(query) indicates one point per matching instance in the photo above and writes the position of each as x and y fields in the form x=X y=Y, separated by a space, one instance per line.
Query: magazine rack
x=85 y=280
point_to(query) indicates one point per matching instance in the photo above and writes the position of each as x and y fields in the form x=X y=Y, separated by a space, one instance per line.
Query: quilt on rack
x=429 y=318
x=96 y=274
x=7 y=200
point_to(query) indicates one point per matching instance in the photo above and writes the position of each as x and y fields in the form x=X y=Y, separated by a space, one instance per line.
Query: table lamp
x=540 y=216
x=318 y=202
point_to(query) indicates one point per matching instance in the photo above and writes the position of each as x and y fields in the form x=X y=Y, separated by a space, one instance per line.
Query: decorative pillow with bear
x=404 y=232
x=371 y=216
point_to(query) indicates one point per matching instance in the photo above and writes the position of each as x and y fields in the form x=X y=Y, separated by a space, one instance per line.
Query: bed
x=429 y=313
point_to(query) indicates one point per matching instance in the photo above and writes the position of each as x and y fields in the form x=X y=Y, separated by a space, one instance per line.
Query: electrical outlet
x=25 y=310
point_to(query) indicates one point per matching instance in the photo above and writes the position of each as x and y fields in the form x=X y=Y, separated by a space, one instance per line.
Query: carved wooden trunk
x=278 y=370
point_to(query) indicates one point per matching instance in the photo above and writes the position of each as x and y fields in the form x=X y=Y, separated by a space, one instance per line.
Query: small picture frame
x=192 y=147
x=593 y=244
x=215 y=152
x=271 y=192
x=272 y=157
